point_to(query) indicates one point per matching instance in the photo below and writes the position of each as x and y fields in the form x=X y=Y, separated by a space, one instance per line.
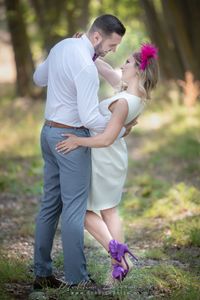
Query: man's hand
x=129 y=126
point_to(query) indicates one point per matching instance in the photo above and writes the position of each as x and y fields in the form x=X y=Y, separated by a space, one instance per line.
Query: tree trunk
x=174 y=56
x=21 y=46
x=157 y=35
x=178 y=11
x=83 y=19
x=193 y=12
x=77 y=12
x=49 y=14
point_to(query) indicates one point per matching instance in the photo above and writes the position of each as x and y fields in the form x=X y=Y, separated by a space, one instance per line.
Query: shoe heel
x=133 y=256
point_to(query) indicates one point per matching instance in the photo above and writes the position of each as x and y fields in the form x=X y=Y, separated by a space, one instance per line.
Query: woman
x=109 y=154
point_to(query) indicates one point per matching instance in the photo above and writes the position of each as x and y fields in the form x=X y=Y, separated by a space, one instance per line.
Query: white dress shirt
x=72 y=84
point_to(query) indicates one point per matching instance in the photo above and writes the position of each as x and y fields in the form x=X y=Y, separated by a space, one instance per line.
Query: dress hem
x=107 y=207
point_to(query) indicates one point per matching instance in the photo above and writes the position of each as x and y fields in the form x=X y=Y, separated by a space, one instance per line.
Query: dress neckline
x=130 y=94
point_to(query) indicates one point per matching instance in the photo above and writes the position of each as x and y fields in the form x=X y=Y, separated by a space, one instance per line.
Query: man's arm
x=40 y=76
x=87 y=86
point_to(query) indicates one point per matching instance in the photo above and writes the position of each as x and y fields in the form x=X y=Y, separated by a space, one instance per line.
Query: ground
x=160 y=206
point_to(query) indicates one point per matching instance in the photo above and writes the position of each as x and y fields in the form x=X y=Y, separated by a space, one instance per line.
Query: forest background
x=161 y=201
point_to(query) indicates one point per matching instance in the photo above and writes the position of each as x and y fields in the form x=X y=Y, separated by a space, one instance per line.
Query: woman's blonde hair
x=148 y=77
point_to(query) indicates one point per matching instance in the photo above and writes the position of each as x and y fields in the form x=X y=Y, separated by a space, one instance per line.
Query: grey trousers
x=66 y=187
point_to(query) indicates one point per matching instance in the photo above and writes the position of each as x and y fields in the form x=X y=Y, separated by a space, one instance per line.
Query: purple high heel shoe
x=117 y=251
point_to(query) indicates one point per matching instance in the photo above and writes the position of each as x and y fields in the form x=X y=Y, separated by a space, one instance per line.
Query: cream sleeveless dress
x=109 y=165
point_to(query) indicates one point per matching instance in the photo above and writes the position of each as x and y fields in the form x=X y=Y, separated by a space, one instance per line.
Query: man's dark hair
x=108 y=24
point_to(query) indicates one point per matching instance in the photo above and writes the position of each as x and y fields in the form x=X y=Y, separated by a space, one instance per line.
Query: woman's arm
x=108 y=73
x=104 y=139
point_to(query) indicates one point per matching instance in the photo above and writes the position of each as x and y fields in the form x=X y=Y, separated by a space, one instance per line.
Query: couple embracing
x=85 y=155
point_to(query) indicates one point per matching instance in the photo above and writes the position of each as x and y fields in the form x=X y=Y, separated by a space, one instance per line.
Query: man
x=72 y=84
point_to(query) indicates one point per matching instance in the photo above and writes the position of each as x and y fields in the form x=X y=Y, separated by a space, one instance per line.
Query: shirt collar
x=88 y=44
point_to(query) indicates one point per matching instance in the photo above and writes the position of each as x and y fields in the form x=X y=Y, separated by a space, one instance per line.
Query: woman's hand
x=78 y=34
x=67 y=145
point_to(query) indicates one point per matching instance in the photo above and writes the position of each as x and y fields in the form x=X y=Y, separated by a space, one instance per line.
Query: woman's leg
x=113 y=222
x=105 y=229
x=95 y=225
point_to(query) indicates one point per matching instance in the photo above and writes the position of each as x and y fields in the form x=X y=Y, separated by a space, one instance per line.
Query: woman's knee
x=109 y=213
x=88 y=218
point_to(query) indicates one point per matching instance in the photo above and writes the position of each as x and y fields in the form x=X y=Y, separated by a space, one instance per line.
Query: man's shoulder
x=68 y=43
x=74 y=54
x=71 y=47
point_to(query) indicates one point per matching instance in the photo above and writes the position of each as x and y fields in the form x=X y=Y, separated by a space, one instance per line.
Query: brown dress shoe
x=49 y=281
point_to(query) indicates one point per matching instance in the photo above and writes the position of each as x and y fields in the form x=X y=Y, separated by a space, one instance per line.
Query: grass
x=185 y=232
x=13 y=271
x=162 y=280
x=156 y=254
x=20 y=158
x=160 y=207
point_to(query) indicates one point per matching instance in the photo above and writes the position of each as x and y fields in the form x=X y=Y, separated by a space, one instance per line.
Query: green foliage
x=154 y=200
x=20 y=159
x=188 y=293
x=170 y=278
x=127 y=10
x=185 y=232
x=58 y=261
x=13 y=270
x=155 y=253
x=179 y=200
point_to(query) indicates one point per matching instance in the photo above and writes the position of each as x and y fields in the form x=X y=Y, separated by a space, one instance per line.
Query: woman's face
x=129 y=70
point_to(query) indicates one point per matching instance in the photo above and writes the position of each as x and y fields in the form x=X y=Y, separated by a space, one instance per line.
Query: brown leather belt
x=60 y=125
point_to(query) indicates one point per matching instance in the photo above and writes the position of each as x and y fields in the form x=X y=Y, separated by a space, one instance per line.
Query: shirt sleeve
x=40 y=76
x=87 y=85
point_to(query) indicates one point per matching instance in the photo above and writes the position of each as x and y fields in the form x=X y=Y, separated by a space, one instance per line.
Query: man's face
x=108 y=44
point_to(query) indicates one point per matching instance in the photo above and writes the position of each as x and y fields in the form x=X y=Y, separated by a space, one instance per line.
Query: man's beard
x=99 y=51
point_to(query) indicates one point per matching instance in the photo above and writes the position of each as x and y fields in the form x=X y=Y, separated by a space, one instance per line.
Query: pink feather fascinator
x=147 y=51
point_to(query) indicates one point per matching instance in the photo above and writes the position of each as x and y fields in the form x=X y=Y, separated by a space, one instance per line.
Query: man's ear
x=97 y=38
